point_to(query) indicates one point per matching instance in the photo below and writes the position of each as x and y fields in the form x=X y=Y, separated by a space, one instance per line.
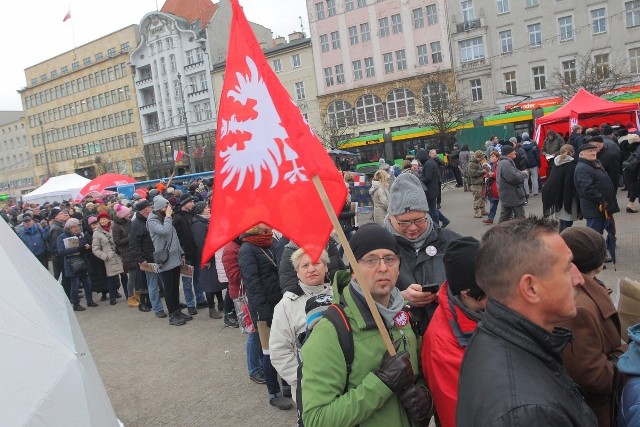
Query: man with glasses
x=422 y=247
x=380 y=389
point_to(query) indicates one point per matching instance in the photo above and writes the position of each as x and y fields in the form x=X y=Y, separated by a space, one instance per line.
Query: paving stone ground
x=195 y=375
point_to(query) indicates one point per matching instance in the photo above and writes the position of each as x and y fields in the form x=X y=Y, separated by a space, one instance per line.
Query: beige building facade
x=16 y=169
x=81 y=110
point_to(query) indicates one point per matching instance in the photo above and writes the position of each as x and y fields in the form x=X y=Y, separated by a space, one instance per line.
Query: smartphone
x=431 y=287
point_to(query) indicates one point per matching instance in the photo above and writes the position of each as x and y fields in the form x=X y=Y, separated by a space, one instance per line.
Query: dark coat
x=596 y=331
x=559 y=191
x=594 y=187
x=510 y=183
x=67 y=253
x=140 y=243
x=431 y=178
x=575 y=140
x=208 y=274
x=454 y=158
x=55 y=230
x=512 y=375
x=97 y=269
x=611 y=164
x=182 y=223
x=533 y=154
x=260 y=279
x=553 y=145
x=36 y=239
x=121 y=231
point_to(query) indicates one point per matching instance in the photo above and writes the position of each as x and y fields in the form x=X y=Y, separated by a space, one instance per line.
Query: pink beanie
x=122 y=211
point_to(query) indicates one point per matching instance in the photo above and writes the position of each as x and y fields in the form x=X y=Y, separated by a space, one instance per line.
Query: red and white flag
x=177 y=155
x=266 y=155
x=573 y=120
x=67 y=16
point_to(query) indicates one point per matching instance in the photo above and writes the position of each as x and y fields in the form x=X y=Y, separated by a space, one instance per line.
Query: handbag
x=161 y=256
x=241 y=305
x=77 y=265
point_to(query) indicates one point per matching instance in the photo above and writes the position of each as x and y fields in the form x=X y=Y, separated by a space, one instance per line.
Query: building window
x=634 y=60
x=295 y=60
x=369 y=109
x=539 y=79
x=535 y=35
x=300 y=91
x=602 y=65
x=277 y=65
x=340 y=114
x=362 y=3
x=471 y=49
x=357 y=69
x=503 y=6
x=328 y=76
x=324 y=43
x=422 y=54
x=98 y=56
x=396 y=23
x=432 y=14
x=632 y=13
x=569 y=71
x=172 y=62
x=435 y=96
x=320 y=11
x=510 y=85
x=75 y=65
x=86 y=61
x=401 y=60
x=506 y=41
x=190 y=57
x=565 y=28
x=400 y=103
x=467 y=11
x=383 y=25
x=476 y=89
x=417 y=16
x=348 y=5
x=339 y=73
x=335 y=40
x=54 y=74
x=369 y=68
x=353 y=35
x=387 y=58
x=436 y=52
x=163 y=66
x=365 y=33
x=124 y=47
x=532 y=3
x=599 y=21
x=331 y=7
x=111 y=52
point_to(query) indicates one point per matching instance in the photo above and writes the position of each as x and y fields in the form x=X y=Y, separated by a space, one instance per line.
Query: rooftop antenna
x=301 y=26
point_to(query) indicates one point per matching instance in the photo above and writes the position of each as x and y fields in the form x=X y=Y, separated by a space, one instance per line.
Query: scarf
x=396 y=304
x=429 y=235
x=106 y=228
x=314 y=290
x=261 y=240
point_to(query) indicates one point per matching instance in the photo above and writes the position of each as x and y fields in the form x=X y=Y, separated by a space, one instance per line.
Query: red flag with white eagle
x=177 y=155
x=573 y=120
x=266 y=155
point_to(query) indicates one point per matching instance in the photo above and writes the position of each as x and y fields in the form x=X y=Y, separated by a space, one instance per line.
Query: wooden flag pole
x=354 y=265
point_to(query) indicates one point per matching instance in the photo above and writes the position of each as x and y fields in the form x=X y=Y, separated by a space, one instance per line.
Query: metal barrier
x=447 y=178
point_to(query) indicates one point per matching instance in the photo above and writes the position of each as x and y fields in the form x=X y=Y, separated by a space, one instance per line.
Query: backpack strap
x=336 y=315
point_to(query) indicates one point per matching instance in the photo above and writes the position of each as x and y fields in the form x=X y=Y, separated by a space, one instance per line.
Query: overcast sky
x=33 y=30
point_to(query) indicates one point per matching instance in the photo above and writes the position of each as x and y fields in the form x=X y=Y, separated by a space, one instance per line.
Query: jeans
x=597 y=224
x=112 y=285
x=433 y=211
x=493 y=208
x=153 y=284
x=533 y=174
x=270 y=375
x=191 y=284
x=58 y=270
x=254 y=353
x=75 y=285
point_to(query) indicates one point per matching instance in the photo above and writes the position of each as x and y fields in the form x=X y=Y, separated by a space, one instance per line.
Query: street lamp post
x=192 y=166
x=44 y=145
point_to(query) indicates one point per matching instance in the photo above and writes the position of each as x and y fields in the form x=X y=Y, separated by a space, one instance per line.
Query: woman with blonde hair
x=559 y=196
x=379 y=192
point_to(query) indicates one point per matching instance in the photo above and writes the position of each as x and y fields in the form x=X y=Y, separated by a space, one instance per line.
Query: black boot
x=181 y=315
x=145 y=303
x=175 y=320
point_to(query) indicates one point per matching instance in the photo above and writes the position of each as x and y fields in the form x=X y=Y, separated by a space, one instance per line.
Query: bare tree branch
x=334 y=131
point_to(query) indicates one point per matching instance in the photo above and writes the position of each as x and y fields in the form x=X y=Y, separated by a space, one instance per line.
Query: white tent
x=47 y=374
x=57 y=189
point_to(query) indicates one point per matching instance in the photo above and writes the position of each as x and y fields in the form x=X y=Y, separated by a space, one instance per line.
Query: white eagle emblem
x=258 y=139
x=401 y=319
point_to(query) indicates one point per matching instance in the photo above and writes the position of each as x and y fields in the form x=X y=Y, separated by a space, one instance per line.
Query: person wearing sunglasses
x=422 y=246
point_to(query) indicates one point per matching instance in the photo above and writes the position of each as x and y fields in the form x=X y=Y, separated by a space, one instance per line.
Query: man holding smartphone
x=422 y=246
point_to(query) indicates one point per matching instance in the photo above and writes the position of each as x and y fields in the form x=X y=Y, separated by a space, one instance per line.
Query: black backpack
x=336 y=315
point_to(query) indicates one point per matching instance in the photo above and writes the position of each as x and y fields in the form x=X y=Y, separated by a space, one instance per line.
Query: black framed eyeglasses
x=373 y=261
x=407 y=224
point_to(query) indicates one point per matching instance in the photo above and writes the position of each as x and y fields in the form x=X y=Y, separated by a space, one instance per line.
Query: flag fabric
x=266 y=155
x=573 y=120
x=67 y=16
x=359 y=180
x=177 y=155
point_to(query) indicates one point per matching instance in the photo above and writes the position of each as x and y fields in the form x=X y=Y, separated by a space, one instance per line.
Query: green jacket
x=368 y=401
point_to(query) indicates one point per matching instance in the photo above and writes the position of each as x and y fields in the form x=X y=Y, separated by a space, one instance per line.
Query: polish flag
x=267 y=154
x=177 y=155
x=67 y=16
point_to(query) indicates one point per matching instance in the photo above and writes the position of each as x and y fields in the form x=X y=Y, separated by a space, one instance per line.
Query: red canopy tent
x=98 y=185
x=588 y=110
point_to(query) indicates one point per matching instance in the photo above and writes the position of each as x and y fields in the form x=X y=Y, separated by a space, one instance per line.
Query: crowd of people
x=481 y=338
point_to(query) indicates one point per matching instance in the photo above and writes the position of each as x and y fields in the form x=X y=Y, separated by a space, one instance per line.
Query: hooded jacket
x=533 y=154
x=104 y=247
x=532 y=388
x=380 y=197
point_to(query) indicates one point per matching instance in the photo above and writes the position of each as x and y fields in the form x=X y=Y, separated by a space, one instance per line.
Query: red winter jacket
x=232 y=267
x=442 y=355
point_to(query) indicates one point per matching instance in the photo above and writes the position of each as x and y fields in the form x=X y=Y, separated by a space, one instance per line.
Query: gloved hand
x=396 y=371
x=418 y=403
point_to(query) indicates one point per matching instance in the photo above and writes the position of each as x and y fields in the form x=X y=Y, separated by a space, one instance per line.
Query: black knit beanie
x=459 y=264
x=587 y=245
x=370 y=237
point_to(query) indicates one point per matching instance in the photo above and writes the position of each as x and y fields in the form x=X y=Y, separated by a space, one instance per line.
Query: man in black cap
x=511 y=182
x=379 y=389
x=595 y=190
x=141 y=247
x=183 y=218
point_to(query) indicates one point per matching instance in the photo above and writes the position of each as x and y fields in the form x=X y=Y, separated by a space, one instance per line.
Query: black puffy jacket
x=512 y=375
x=594 y=187
x=140 y=243
x=260 y=279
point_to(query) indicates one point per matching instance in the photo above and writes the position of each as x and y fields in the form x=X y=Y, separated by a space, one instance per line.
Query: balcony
x=146 y=81
x=198 y=95
x=148 y=107
x=473 y=65
x=193 y=66
x=468 y=26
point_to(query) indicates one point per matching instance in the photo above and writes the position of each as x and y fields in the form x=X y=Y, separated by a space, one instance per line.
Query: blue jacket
x=629 y=364
x=533 y=154
x=36 y=238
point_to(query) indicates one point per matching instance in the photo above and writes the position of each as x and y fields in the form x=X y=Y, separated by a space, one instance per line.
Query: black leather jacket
x=512 y=375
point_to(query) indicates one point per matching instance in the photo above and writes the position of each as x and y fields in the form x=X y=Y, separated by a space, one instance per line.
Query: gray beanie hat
x=406 y=195
x=159 y=202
